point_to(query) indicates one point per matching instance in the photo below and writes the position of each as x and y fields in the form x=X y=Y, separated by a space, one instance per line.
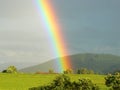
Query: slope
x=100 y=63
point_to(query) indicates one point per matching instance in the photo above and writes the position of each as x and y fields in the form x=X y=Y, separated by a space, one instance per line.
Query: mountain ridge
x=100 y=63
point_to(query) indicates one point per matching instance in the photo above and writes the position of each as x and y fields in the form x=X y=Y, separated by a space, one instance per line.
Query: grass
x=25 y=81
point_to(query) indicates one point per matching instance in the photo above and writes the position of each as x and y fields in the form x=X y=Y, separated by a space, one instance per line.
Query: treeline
x=13 y=69
x=69 y=71
x=79 y=71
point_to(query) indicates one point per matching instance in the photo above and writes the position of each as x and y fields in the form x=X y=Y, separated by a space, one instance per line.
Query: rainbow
x=53 y=28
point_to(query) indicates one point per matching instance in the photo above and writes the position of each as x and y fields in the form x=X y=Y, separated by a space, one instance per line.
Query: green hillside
x=100 y=63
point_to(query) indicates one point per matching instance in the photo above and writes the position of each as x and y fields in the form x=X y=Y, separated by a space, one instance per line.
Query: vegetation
x=51 y=71
x=68 y=71
x=85 y=78
x=63 y=82
x=85 y=71
x=113 y=81
x=10 y=69
x=17 y=81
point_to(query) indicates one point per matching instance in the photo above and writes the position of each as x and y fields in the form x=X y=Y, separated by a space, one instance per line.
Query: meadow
x=25 y=81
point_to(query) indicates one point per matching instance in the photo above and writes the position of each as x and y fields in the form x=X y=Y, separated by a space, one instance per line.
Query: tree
x=113 y=81
x=84 y=71
x=10 y=69
x=4 y=71
x=68 y=71
x=51 y=71
x=91 y=72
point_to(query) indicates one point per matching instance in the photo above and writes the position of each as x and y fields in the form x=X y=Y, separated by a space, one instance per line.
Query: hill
x=100 y=63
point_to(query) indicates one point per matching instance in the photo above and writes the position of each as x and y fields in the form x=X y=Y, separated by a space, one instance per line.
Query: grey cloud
x=88 y=26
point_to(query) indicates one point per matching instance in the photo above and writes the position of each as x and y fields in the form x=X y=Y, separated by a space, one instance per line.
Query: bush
x=84 y=84
x=51 y=71
x=84 y=71
x=63 y=82
x=113 y=81
x=10 y=69
x=68 y=71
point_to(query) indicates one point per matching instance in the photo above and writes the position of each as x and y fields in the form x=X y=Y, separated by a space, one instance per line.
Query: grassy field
x=25 y=81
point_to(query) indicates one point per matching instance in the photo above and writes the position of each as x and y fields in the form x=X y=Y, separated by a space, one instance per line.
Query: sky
x=88 y=26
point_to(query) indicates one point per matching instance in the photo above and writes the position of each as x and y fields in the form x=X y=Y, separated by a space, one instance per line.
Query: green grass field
x=25 y=81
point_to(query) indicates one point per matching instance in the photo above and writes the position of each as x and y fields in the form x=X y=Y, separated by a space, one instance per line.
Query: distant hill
x=100 y=63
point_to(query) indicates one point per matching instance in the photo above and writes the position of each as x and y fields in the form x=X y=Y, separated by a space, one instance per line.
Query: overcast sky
x=89 y=26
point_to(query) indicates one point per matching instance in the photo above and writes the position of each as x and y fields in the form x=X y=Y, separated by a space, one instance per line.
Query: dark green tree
x=84 y=71
x=113 y=81
x=68 y=71
x=4 y=71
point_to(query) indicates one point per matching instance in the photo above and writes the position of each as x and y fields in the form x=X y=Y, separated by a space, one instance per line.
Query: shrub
x=113 y=81
x=85 y=84
x=51 y=71
x=84 y=71
x=68 y=71
x=10 y=69
x=63 y=82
